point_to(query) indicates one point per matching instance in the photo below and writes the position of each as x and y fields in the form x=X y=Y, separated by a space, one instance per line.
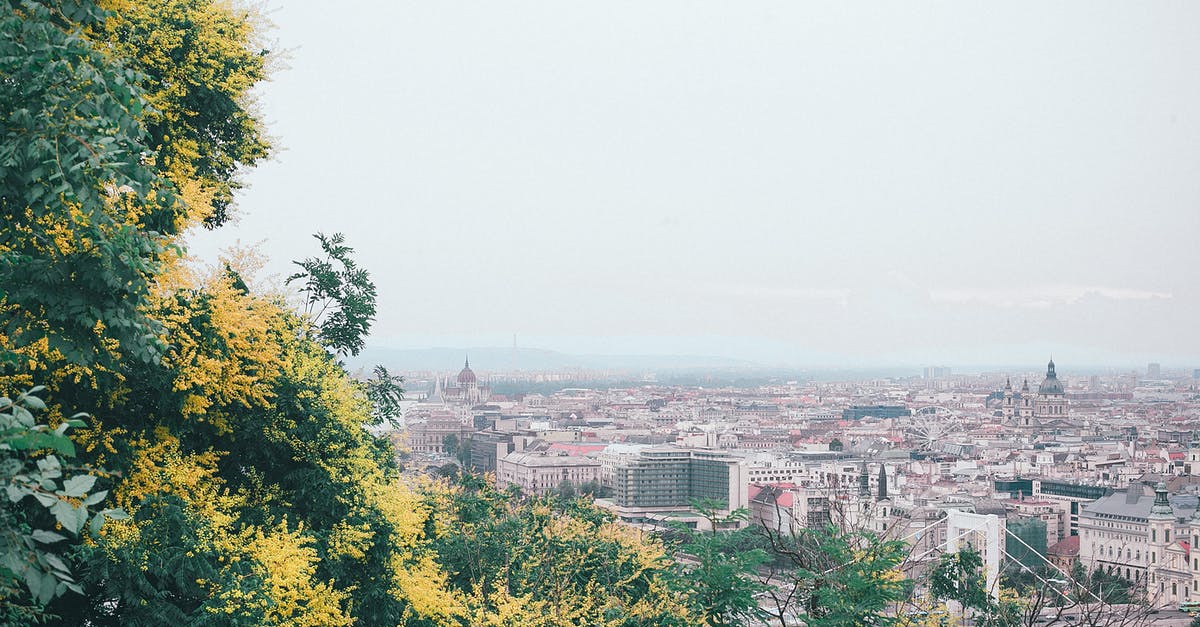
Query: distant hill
x=530 y=359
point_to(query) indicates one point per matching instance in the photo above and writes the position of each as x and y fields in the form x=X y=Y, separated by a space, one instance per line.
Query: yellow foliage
x=225 y=347
x=421 y=582
x=285 y=562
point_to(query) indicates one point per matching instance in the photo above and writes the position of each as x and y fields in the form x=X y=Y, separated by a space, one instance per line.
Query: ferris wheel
x=933 y=424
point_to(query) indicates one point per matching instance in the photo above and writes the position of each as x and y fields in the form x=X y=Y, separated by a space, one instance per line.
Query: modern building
x=666 y=479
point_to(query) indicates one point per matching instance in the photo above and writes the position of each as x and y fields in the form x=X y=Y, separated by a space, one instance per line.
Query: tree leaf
x=69 y=516
x=96 y=498
x=78 y=485
x=47 y=537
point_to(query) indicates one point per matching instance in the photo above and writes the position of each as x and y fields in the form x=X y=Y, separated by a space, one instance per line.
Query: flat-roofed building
x=541 y=473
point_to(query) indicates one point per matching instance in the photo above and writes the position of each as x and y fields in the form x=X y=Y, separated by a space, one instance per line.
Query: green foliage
x=43 y=498
x=959 y=577
x=450 y=444
x=718 y=580
x=561 y=561
x=840 y=577
x=385 y=392
x=84 y=215
x=197 y=61
x=565 y=490
x=340 y=296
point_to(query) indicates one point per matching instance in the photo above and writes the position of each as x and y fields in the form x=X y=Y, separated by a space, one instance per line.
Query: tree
x=959 y=577
x=85 y=217
x=835 y=576
x=340 y=297
x=197 y=61
x=385 y=392
x=836 y=445
x=450 y=444
x=44 y=497
x=538 y=561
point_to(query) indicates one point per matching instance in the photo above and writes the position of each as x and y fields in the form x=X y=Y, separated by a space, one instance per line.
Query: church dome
x=1051 y=385
x=466 y=375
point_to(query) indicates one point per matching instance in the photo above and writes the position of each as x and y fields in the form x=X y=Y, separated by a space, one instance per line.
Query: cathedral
x=1025 y=409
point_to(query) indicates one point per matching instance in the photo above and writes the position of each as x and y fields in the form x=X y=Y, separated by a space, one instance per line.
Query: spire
x=883 y=483
x=436 y=396
x=1162 y=506
x=1008 y=383
x=467 y=361
x=864 y=481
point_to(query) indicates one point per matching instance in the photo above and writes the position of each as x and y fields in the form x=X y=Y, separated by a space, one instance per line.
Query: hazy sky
x=787 y=182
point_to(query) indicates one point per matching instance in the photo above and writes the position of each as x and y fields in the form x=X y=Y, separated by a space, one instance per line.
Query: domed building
x=1024 y=409
x=466 y=388
x=1051 y=401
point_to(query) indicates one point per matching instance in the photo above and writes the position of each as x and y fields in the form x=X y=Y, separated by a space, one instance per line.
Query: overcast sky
x=788 y=182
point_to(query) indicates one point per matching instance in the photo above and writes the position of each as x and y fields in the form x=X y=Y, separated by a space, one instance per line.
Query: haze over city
x=561 y=314
x=786 y=183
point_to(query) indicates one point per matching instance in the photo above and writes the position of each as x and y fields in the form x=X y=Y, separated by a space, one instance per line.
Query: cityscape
x=593 y=314
x=1092 y=471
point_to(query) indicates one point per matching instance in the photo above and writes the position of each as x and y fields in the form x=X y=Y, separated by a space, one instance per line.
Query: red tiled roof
x=575 y=449
x=1069 y=546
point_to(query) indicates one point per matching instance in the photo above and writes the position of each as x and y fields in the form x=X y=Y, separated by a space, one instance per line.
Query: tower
x=883 y=494
x=1008 y=406
x=1162 y=518
x=1025 y=410
x=864 y=482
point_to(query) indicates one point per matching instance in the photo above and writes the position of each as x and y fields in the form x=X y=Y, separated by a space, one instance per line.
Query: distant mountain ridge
x=530 y=359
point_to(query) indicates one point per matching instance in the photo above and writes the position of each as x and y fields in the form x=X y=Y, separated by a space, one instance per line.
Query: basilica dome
x=1051 y=385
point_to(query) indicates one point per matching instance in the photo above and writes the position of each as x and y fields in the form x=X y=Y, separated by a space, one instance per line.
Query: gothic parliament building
x=1028 y=410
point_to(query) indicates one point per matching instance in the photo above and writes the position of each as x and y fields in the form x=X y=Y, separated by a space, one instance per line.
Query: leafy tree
x=959 y=577
x=197 y=61
x=717 y=580
x=594 y=489
x=340 y=297
x=43 y=497
x=836 y=445
x=565 y=490
x=837 y=577
x=385 y=392
x=450 y=444
x=85 y=217
x=547 y=562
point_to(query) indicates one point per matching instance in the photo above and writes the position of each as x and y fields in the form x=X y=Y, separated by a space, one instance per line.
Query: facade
x=428 y=429
x=786 y=507
x=666 y=478
x=541 y=474
x=1071 y=497
x=1146 y=538
x=858 y=412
